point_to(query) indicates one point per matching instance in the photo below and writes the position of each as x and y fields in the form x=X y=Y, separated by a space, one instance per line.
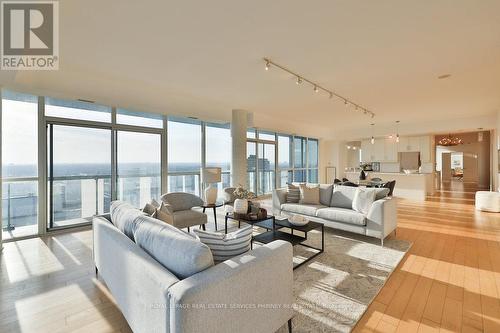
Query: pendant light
x=397 y=130
x=373 y=137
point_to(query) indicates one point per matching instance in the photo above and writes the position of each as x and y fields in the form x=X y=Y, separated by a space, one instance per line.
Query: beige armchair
x=181 y=208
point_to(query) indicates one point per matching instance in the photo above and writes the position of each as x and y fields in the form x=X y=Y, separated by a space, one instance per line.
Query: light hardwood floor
x=449 y=280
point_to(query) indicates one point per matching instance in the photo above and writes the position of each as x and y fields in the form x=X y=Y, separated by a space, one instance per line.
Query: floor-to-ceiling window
x=299 y=159
x=261 y=161
x=296 y=160
x=138 y=167
x=312 y=160
x=266 y=180
x=285 y=166
x=93 y=154
x=19 y=164
x=184 y=155
x=79 y=177
x=218 y=151
x=251 y=166
x=78 y=161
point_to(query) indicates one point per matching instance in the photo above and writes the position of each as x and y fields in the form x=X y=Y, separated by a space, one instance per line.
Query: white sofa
x=335 y=211
x=236 y=295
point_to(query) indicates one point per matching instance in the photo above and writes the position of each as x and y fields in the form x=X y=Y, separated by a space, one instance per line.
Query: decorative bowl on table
x=298 y=220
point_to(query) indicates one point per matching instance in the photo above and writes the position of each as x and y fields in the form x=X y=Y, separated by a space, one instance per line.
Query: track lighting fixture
x=317 y=87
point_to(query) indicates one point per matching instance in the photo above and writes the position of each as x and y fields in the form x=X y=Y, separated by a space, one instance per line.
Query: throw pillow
x=292 y=194
x=149 y=209
x=179 y=253
x=309 y=195
x=226 y=246
x=155 y=203
x=363 y=200
x=164 y=213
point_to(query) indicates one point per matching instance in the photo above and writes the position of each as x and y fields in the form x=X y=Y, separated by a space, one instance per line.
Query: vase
x=240 y=206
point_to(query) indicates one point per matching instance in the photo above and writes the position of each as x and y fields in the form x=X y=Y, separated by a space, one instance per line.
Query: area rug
x=334 y=290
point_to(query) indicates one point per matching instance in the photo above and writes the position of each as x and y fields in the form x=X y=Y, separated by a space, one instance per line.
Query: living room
x=250 y=167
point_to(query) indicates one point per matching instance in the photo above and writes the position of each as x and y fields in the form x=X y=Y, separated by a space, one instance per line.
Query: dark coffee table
x=231 y=216
x=274 y=233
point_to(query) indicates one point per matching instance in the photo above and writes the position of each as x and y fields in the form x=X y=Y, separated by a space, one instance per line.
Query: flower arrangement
x=241 y=193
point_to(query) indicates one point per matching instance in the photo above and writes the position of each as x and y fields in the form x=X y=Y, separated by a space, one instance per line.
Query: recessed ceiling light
x=444 y=76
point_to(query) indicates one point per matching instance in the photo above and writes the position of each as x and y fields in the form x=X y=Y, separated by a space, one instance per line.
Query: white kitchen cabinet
x=403 y=144
x=366 y=151
x=413 y=143
x=378 y=151
x=425 y=149
x=386 y=150
x=390 y=150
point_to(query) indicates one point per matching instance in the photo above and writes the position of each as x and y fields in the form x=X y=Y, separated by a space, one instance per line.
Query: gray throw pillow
x=381 y=193
x=179 y=253
x=342 y=196
x=325 y=194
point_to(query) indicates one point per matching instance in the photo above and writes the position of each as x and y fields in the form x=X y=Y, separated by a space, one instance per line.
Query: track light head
x=299 y=80
x=372 y=140
x=316 y=89
x=397 y=137
x=268 y=65
x=331 y=95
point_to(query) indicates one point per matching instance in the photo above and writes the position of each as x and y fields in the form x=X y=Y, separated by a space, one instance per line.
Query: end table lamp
x=210 y=176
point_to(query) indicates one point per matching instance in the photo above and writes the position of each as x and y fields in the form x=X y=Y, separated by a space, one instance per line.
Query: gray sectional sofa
x=165 y=280
x=335 y=211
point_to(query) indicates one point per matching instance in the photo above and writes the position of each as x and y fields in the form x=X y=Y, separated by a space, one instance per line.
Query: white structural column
x=239 y=147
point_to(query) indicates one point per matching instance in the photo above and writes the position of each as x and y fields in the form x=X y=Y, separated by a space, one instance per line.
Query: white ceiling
x=204 y=58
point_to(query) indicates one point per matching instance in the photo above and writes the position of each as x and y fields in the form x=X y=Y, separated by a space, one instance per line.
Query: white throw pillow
x=309 y=194
x=226 y=246
x=363 y=200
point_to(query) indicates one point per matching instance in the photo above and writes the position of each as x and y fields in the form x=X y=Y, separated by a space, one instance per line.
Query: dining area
x=411 y=186
x=370 y=183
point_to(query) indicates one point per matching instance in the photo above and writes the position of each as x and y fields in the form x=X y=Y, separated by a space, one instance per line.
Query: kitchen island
x=415 y=186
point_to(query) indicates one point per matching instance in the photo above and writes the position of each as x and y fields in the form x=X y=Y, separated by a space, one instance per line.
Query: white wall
x=333 y=153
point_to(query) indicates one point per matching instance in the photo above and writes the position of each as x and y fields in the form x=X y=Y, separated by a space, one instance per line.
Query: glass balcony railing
x=190 y=182
x=73 y=198
x=19 y=207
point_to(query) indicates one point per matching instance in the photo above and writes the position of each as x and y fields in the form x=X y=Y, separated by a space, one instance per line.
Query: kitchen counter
x=414 y=186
